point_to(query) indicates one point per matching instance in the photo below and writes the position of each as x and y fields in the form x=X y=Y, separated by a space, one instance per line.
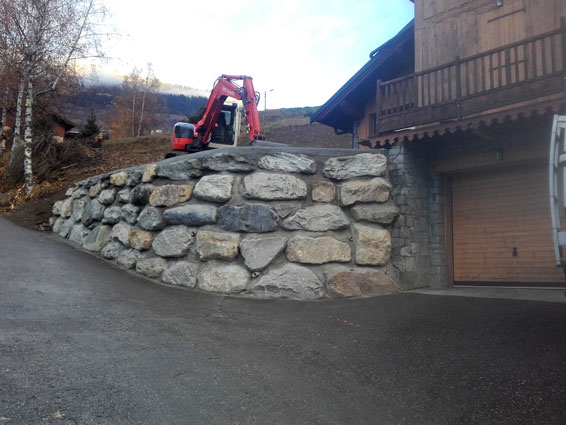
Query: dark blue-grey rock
x=134 y=177
x=94 y=211
x=288 y=162
x=140 y=194
x=130 y=213
x=227 y=162
x=247 y=218
x=180 y=170
x=191 y=215
x=151 y=218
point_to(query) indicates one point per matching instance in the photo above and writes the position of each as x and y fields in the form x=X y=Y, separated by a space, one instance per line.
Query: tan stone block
x=170 y=194
x=149 y=173
x=119 y=179
x=216 y=245
x=140 y=240
x=374 y=190
x=372 y=245
x=358 y=282
x=321 y=250
x=323 y=192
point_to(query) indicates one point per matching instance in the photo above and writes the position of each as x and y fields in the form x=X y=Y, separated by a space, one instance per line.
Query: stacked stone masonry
x=297 y=223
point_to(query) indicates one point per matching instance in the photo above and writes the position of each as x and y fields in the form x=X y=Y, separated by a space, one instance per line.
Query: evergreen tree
x=91 y=128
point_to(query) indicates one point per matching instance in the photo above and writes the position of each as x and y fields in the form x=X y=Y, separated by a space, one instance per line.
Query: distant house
x=61 y=126
x=462 y=100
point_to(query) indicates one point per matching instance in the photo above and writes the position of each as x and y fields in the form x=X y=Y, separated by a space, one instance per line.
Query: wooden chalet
x=465 y=94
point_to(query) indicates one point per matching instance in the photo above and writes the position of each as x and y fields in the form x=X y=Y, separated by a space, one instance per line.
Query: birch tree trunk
x=16 y=143
x=134 y=113
x=141 y=113
x=28 y=137
x=3 y=124
x=5 y=107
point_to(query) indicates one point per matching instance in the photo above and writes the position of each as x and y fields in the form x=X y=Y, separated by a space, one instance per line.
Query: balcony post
x=458 y=88
x=377 y=106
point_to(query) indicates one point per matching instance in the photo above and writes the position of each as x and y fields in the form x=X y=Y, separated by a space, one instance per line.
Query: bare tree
x=43 y=39
x=150 y=86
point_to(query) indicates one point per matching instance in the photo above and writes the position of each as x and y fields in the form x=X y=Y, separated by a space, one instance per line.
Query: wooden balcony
x=525 y=70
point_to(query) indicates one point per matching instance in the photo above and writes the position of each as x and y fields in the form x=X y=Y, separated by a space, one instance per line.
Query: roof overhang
x=392 y=59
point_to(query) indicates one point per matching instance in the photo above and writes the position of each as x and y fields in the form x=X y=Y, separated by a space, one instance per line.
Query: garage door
x=501 y=228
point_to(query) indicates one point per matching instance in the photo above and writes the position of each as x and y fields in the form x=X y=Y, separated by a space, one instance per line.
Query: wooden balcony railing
x=520 y=71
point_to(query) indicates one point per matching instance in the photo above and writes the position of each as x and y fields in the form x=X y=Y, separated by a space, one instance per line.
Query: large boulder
x=223 y=277
x=247 y=218
x=151 y=218
x=151 y=267
x=288 y=281
x=97 y=238
x=183 y=169
x=288 y=162
x=273 y=187
x=372 y=245
x=325 y=249
x=217 y=246
x=259 y=253
x=356 y=282
x=222 y=161
x=107 y=196
x=140 y=195
x=112 y=215
x=191 y=215
x=318 y=218
x=130 y=213
x=347 y=167
x=121 y=232
x=215 y=188
x=174 y=241
x=93 y=211
x=170 y=194
x=182 y=273
x=374 y=190
x=375 y=213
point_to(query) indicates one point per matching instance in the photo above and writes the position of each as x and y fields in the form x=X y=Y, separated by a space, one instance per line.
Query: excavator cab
x=227 y=127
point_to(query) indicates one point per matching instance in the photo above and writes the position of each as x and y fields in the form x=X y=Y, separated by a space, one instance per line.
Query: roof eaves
x=377 y=58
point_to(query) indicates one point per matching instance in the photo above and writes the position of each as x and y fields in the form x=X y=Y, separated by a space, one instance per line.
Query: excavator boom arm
x=224 y=88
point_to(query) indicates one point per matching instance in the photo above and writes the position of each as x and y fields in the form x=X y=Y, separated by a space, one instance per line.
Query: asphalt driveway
x=83 y=342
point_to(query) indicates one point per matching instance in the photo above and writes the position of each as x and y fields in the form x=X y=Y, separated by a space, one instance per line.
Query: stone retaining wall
x=267 y=223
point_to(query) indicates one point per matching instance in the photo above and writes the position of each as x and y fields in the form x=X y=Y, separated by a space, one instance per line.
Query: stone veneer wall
x=268 y=223
x=418 y=235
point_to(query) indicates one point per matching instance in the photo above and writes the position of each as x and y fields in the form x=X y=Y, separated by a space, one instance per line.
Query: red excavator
x=220 y=124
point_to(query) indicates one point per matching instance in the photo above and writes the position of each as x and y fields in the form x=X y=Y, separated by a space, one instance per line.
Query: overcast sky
x=302 y=49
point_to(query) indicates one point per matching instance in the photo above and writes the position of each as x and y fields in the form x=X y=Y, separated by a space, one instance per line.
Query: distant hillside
x=100 y=100
x=289 y=125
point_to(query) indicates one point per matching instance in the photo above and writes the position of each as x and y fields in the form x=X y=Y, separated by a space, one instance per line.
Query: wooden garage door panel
x=497 y=214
